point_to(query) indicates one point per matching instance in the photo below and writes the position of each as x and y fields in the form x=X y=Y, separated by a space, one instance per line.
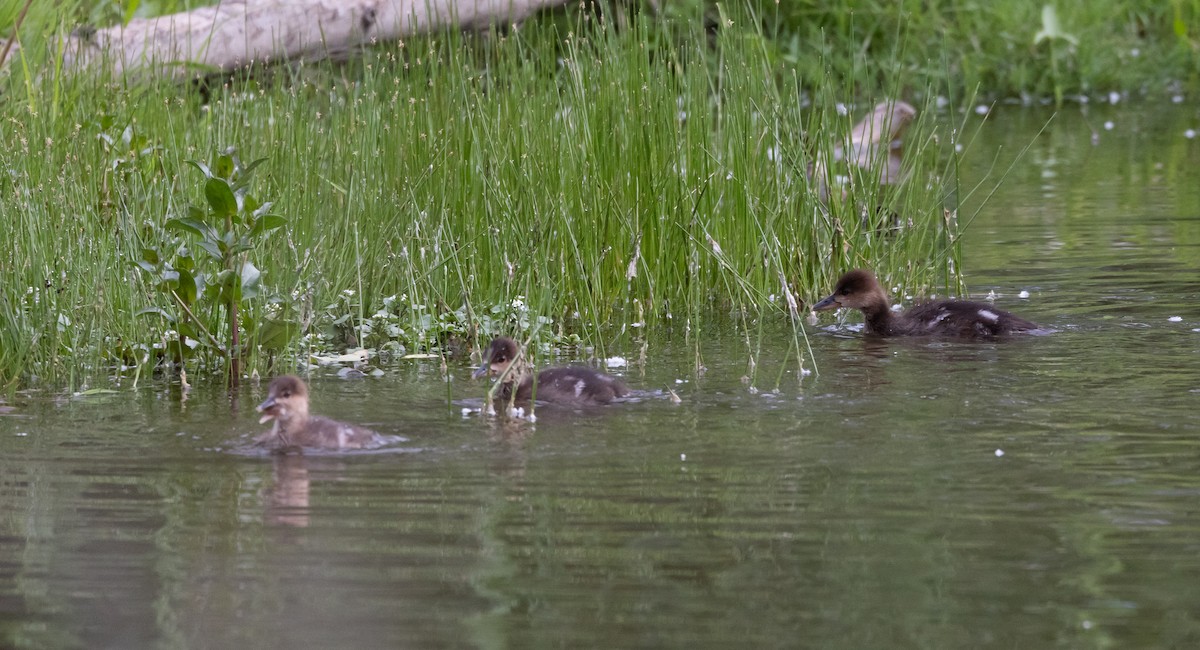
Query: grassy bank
x=585 y=185
x=998 y=50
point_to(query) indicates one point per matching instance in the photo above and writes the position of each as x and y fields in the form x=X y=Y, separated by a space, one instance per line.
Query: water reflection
x=286 y=499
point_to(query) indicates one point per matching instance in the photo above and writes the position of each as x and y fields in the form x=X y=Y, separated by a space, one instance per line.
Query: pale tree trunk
x=236 y=33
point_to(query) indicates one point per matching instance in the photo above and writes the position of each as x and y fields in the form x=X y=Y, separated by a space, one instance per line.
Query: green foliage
x=199 y=265
x=964 y=46
x=1053 y=34
x=579 y=184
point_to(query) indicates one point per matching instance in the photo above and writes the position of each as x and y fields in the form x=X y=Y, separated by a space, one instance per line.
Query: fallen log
x=237 y=34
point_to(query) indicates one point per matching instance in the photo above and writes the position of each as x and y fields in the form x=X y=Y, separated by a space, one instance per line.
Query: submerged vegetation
x=573 y=183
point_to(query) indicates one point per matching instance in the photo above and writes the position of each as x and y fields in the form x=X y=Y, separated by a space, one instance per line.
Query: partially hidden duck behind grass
x=287 y=405
x=570 y=385
x=860 y=290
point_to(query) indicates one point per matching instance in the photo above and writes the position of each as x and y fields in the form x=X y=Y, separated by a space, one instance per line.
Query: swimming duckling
x=860 y=290
x=287 y=404
x=569 y=385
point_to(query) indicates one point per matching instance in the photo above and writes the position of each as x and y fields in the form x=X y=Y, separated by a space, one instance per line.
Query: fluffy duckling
x=860 y=290
x=287 y=404
x=573 y=385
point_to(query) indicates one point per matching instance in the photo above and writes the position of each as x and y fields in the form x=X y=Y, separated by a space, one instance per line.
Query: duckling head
x=500 y=354
x=856 y=289
x=287 y=398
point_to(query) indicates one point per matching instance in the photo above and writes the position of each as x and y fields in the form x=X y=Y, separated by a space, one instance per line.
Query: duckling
x=572 y=385
x=287 y=404
x=860 y=290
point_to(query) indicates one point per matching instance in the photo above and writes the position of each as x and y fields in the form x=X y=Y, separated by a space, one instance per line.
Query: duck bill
x=482 y=370
x=829 y=303
x=268 y=409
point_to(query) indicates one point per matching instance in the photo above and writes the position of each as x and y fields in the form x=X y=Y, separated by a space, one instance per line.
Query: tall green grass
x=581 y=183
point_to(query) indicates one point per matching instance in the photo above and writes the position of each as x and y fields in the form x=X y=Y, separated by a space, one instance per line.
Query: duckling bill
x=572 y=385
x=287 y=405
x=860 y=290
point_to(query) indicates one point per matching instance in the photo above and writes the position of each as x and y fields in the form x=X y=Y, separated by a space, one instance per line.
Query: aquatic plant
x=203 y=286
x=1052 y=33
x=591 y=185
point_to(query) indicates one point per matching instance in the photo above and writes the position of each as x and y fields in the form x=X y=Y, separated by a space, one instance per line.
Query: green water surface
x=1032 y=493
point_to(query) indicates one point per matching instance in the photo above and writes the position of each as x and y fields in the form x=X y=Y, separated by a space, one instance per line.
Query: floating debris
x=1176 y=319
x=354 y=356
x=1023 y=294
x=999 y=453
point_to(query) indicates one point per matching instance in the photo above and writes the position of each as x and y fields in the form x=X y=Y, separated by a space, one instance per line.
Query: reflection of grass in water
x=615 y=182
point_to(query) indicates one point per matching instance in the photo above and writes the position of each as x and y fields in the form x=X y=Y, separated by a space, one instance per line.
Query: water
x=1036 y=492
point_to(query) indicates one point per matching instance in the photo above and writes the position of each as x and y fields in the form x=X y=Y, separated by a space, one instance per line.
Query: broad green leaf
x=241 y=246
x=192 y=226
x=230 y=286
x=275 y=335
x=252 y=166
x=211 y=248
x=267 y=222
x=187 y=287
x=183 y=259
x=150 y=255
x=1052 y=28
x=131 y=7
x=188 y=328
x=220 y=197
x=262 y=209
x=250 y=279
x=224 y=166
x=202 y=167
x=249 y=203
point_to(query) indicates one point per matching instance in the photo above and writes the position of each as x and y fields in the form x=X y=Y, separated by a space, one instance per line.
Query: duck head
x=500 y=354
x=287 y=398
x=857 y=289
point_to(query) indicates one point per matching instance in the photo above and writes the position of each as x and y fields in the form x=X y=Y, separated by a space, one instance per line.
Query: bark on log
x=237 y=33
x=874 y=145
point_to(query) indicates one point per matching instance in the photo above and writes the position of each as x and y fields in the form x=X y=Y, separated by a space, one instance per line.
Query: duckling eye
x=286 y=393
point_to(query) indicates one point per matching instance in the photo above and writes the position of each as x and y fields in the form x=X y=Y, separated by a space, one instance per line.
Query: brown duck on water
x=287 y=405
x=860 y=290
x=572 y=385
